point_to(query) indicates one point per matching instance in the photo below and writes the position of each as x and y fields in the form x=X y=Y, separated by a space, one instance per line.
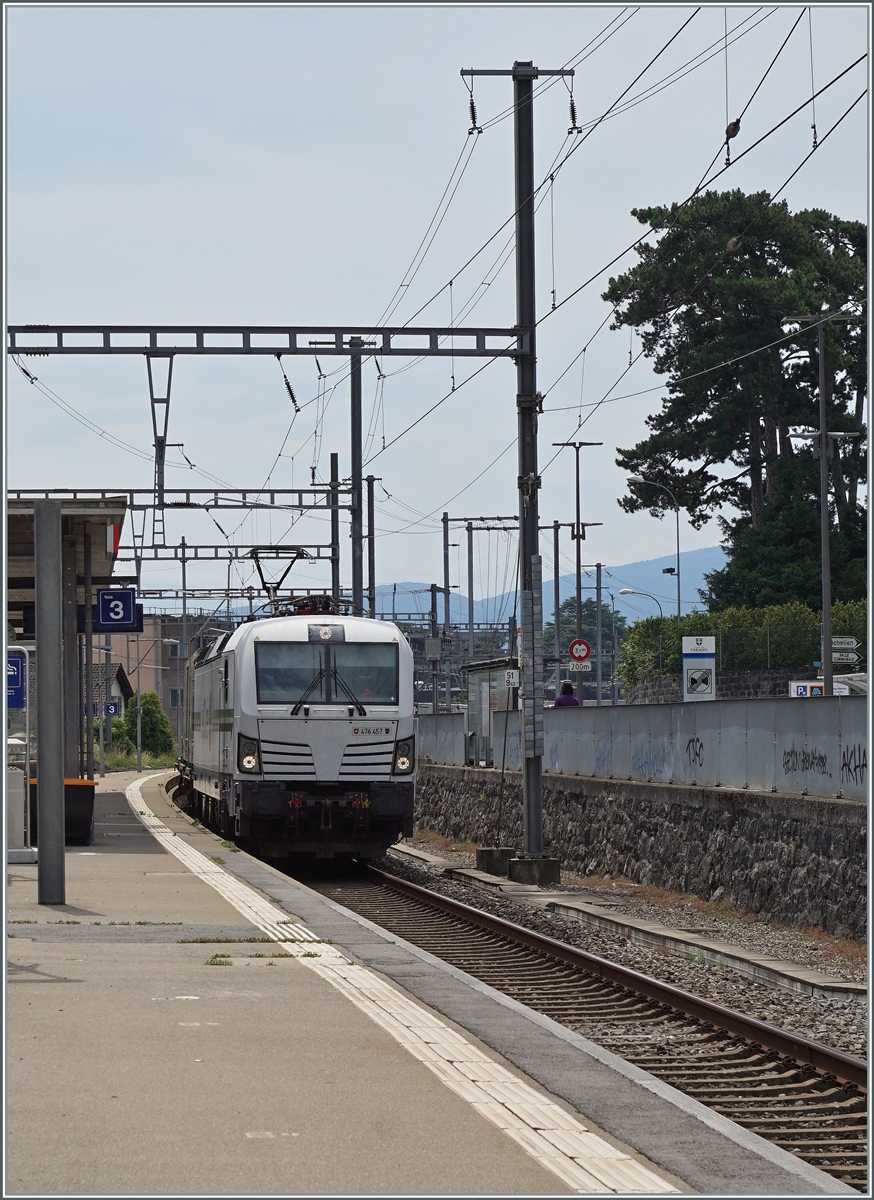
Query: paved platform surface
x=343 y=1061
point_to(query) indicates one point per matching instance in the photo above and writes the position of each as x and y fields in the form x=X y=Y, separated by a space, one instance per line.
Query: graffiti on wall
x=854 y=763
x=799 y=761
x=649 y=761
x=695 y=752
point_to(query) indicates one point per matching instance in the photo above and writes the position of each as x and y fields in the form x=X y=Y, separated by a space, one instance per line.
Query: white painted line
x=556 y=1139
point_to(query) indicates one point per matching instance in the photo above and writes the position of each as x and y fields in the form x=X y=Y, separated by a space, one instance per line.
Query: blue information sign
x=117 y=608
x=15 y=681
x=112 y=708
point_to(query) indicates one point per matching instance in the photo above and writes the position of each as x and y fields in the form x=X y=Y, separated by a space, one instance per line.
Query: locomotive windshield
x=288 y=672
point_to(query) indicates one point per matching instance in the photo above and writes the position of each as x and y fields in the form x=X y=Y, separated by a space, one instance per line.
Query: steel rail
x=830 y=1062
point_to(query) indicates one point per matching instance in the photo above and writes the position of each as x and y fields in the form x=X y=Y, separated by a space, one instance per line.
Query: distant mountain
x=646 y=576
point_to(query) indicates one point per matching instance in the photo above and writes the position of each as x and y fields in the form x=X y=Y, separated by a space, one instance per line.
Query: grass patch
x=230 y=846
x=218 y=960
x=21 y=922
x=309 y=954
x=114 y=761
x=62 y=922
x=215 y=858
x=197 y=824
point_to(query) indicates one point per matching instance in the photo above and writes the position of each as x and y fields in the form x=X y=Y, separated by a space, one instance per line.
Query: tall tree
x=710 y=300
x=567 y=625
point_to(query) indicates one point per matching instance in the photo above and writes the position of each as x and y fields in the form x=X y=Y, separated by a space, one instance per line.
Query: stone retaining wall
x=730 y=685
x=789 y=858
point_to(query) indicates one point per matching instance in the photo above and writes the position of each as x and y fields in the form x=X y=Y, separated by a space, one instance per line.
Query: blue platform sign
x=117 y=608
x=15 y=681
x=112 y=708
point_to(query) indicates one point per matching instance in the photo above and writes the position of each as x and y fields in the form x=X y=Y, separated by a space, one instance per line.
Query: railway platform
x=193 y=1021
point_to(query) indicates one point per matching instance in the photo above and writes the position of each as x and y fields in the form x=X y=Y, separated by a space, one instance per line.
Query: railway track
x=801 y=1095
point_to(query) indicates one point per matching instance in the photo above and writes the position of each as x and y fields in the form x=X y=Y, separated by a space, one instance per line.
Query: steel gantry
x=159 y=344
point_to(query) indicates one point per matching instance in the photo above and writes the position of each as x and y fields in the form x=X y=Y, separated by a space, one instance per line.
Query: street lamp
x=578 y=533
x=634 y=592
x=633 y=479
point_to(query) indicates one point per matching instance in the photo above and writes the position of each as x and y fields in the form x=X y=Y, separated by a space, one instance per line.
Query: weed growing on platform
x=219 y=941
x=214 y=858
x=230 y=846
x=218 y=960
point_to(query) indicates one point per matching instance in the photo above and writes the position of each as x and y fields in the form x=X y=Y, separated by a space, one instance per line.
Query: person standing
x=566 y=698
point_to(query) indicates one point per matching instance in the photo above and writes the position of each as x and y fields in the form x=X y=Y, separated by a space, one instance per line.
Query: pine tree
x=710 y=301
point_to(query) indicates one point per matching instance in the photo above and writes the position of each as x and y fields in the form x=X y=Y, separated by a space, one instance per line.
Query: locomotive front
x=303 y=735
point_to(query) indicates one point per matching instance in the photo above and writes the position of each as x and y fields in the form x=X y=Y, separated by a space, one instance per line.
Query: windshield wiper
x=341 y=683
x=312 y=687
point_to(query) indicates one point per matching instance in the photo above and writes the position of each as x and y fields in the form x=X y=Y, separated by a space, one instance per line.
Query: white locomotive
x=299 y=735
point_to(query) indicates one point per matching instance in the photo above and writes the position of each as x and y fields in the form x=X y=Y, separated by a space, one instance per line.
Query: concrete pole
x=578 y=535
x=357 y=531
x=470 y=646
x=527 y=406
x=335 y=527
x=598 y=630
x=101 y=689
x=827 y=666
x=51 y=881
x=72 y=706
x=446 y=612
x=435 y=662
x=139 y=712
x=89 y=660
x=371 y=548
x=80 y=702
x=108 y=696
x=556 y=599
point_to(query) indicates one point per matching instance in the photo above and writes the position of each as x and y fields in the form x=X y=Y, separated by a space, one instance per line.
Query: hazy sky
x=201 y=164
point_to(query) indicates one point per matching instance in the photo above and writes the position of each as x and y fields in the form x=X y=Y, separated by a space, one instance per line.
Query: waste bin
x=14 y=808
x=78 y=812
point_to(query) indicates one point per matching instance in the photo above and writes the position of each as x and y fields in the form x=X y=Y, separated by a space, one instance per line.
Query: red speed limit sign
x=579 y=650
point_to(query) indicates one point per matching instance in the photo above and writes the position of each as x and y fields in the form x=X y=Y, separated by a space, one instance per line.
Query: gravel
x=685 y=912
x=839 y=1023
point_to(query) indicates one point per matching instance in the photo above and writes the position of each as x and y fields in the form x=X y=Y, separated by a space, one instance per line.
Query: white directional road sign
x=699 y=668
x=844 y=643
x=844 y=656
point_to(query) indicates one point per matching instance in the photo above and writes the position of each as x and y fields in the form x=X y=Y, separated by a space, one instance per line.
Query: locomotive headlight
x=249 y=755
x=404 y=756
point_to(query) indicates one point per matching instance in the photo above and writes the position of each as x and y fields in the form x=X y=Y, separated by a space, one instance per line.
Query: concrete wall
x=794 y=747
x=789 y=858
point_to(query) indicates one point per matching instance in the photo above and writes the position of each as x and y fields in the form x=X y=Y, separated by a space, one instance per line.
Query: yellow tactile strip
x=559 y=1141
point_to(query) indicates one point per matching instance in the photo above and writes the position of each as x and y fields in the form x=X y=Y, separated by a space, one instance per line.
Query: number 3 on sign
x=116 y=607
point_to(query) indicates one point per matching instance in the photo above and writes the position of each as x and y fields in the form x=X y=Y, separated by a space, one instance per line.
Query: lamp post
x=633 y=479
x=635 y=592
x=578 y=532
